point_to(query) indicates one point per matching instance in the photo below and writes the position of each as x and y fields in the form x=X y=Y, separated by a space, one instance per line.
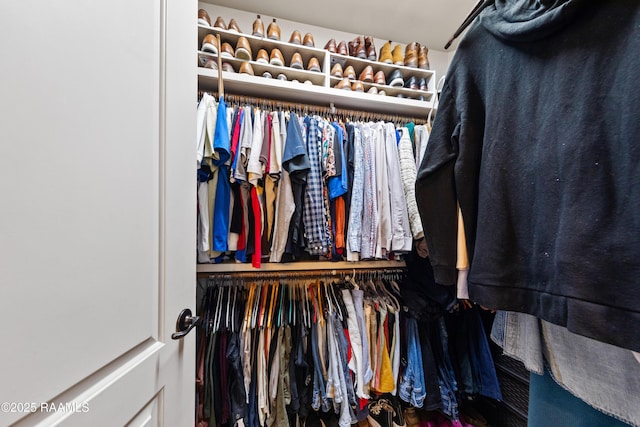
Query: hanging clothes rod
x=313 y=274
x=322 y=110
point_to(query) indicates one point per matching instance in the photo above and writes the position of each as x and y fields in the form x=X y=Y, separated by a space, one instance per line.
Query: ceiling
x=429 y=22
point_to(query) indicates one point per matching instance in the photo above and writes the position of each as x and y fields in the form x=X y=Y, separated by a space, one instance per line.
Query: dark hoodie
x=537 y=137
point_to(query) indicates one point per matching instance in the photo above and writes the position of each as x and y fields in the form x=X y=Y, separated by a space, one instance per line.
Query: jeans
x=319 y=398
x=235 y=380
x=412 y=388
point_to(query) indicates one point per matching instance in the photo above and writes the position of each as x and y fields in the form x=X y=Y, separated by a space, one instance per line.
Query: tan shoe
x=367 y=74
x=342 y=48
x=227 y=51
x=203 y=18
x=233 y=26
x=331 y=46
x=314 y=65
x=344 y=84
x=220 y=23
x=276 y=57
x=336 y=70
x=296 y=62
x=411 y=55
x=262 y=57
x=350 y=73
x=385 y=53
x=246 y=68
x=243 y=49
x=273 y=30
x=398 y=58
x=309 y=40
x=258 y=27
x=210 y=44
x=423 y=58
x=357 y=86
x=380 y=78
x=296 y=37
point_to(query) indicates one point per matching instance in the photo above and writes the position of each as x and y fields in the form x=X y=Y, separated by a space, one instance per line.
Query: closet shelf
x=299 y=266
x=244 y=84
x=391 y=90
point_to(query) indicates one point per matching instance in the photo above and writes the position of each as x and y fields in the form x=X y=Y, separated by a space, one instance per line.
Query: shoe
x=398 y=58
x=296 y=62
x=210 y=44
x=367 y=74
x=282 y=76
x=273 y=30
x=371 y=52
x=233 y=26
x=267 y=75
x=352 y=47
x=276 y=58
x=203 y=18
x=258 y=27
x=373 y=90
x=211 y=63
x=423 y=58
x=314 y=65
x=227 y=51
x=380 y=78
x=228 y=67
x=411 y=83
x=395 y=79
x=385 y=53
x=220 y=23
x=309 y=40
x=295 y=38
x=243 y=49
x=380 y=413
x=422 y=84
x=342 y=48
x=411 y=55
x=246 y=68
x=343 y=84
x=308 y=82
x=357 y=86
x=262 y=57
x=336 y=71
x=397 y=419
x=331 y=46
x=382 y=93
x=359 y=48
x=350 y=73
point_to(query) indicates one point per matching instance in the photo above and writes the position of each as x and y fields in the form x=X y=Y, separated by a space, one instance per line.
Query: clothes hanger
x=479 y=7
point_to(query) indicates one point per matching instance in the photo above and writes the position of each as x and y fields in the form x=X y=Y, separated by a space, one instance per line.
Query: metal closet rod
x=307 y=274
x=315 y=109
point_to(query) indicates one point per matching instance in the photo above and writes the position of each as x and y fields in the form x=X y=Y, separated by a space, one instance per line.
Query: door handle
x=185 y=323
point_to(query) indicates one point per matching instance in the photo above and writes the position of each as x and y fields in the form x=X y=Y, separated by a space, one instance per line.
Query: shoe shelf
x=279 y=90
x=259 y=68
x=389 y=90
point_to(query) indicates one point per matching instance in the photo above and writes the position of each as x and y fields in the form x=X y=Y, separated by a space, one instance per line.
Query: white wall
x=439 y=60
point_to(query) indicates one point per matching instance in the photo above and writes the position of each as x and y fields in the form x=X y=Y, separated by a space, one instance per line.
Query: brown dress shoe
x=357 y=86
x=243 y=49
x=371 y=52
x=296 y=37
x=296 y=61
x=385 y=53
x=262 y=57
x=342 y=48
x=360 y=50
x=220 y=23
x=246 y=68
x=276 y=57
x=423 y=58
x=398 y=58
x=367 y=74
x=344 y=84
x=331 y=46
x=309 y=40
x=258 y=27
x=233 y=26
x=411 y=55
x=273 y=30
x=203 y=18
x=228 y=67
x=350 y=73
x=380 y=78
x=227 y=51
x=352 y=47
x=314 y=65
x=336 y=70
x=210 y=44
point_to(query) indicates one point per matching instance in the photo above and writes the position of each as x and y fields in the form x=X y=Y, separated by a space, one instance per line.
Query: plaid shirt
x=315 y=224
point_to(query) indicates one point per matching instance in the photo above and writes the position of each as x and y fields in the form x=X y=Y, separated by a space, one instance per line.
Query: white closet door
x=97 y=209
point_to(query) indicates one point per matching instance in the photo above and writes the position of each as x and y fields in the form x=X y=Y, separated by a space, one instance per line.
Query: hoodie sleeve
x=448 y=176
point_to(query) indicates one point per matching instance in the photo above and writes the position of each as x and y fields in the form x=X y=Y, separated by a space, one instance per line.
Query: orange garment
x=340 y=214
